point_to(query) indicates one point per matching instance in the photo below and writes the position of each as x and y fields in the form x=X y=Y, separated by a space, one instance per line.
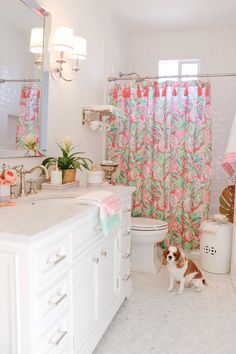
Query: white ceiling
x=158 y=15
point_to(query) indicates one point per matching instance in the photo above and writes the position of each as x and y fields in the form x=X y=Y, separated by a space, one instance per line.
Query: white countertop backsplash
x=34 y=216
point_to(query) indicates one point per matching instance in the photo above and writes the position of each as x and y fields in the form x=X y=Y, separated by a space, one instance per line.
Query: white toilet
x=145 y=233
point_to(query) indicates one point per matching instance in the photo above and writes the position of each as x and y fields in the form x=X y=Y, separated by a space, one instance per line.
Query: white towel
x=100 y=108
x=229 y=163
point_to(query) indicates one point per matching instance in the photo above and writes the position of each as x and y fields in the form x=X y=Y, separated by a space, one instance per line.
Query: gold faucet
x=23 y=172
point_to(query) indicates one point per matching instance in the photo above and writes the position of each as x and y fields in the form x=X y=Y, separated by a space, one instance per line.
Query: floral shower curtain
x=29 y=114
x=163 y=146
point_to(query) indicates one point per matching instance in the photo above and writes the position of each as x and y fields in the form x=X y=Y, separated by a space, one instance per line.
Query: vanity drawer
x=57 y=339
x=84 y=234
x=54 y=302
x=52 y=259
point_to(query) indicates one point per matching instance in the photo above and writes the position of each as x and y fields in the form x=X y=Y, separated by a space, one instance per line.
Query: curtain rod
x=141 y=78
x=3 y=81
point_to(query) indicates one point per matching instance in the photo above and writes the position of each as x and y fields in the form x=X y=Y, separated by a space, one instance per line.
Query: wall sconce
x=64 y=42
x=36 y=44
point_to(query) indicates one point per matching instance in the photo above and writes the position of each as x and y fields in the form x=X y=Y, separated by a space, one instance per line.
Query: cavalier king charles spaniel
x=182 y=270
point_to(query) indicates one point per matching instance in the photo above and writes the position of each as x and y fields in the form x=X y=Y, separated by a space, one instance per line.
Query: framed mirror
x=24 y=78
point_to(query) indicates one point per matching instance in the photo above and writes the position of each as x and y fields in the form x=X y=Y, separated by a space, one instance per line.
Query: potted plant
x=69 y=161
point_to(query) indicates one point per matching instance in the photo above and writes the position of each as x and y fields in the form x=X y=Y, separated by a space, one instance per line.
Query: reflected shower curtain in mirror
x=163 y=146
x=29 y=116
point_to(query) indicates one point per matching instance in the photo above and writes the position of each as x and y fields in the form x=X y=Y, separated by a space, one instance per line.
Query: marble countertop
x=32 y=217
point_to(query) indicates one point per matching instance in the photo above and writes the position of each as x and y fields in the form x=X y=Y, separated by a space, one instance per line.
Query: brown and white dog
x=183 y=270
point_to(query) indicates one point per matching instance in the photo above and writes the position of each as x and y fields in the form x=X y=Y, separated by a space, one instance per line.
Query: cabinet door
x=85 y=298
x=8 y=300
x=107 y=275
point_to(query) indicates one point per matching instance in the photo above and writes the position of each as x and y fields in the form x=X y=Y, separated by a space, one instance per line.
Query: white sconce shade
x=36 y=40
x=63 y=39
x=79 y=48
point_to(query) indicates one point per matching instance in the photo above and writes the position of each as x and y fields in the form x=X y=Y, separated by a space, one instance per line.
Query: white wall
x=216 y=50
x=66 y=100
x=105 y=49
x=117 y=49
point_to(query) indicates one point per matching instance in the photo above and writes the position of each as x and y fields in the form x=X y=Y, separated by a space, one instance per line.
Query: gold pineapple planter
x=68 y=175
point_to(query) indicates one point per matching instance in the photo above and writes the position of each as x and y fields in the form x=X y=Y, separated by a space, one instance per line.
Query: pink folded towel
x=111 y=204
x=229 y=163
x=110 y=207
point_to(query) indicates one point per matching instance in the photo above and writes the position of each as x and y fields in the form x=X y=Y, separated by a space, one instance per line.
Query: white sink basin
x=55 y=199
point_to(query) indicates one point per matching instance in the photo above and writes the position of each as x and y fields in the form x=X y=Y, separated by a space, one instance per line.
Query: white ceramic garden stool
x=215 y=247
x=145 y=233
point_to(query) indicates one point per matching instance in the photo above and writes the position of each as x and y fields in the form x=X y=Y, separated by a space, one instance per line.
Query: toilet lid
x=139 y=223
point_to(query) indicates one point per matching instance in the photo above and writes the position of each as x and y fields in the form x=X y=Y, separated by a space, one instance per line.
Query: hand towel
x=100 y=108
x=229 y=163
x=106 y=110
x=109 y=204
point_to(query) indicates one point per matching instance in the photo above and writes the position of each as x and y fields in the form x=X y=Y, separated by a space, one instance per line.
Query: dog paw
x=170 y=288
x=198 y=290
x=180 y=292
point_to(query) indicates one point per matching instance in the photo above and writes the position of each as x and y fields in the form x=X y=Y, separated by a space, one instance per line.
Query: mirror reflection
x=23 y=79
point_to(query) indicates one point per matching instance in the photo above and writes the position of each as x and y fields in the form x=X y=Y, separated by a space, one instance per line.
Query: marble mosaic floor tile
x=156 y=321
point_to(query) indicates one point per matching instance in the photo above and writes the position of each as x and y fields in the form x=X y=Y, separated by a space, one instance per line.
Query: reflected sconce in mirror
x=72 y=46
x=36 y=44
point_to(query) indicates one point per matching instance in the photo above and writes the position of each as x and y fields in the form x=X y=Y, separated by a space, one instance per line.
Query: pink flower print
x=157 y=176
x=160 y=203
x=195 y=242
x=178 y=136
x=132 y=175
x=189 y=177
x=173 y=224
x=187 y=236
x=187 y=204
x=149 y=164
x=175 y=196
x=189 y=145
x=174 y=165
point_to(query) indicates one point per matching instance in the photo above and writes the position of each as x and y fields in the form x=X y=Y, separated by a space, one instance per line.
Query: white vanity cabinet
x=8 y=303
x=59 y=294
x=101 y=281
x=94 y=286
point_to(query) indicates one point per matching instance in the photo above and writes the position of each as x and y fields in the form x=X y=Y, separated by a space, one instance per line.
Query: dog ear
x=177 y=254
x=179 y=259
x=164 y=257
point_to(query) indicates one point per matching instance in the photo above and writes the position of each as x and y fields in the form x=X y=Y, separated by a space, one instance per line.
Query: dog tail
x=204 y=282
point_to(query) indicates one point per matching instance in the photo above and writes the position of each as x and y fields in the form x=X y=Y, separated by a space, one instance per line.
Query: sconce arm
x=57 y=73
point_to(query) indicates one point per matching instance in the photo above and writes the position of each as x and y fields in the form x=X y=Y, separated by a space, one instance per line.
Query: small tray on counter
x=59 y=187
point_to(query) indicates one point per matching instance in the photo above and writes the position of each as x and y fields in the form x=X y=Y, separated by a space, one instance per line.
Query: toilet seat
x=147 y=224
